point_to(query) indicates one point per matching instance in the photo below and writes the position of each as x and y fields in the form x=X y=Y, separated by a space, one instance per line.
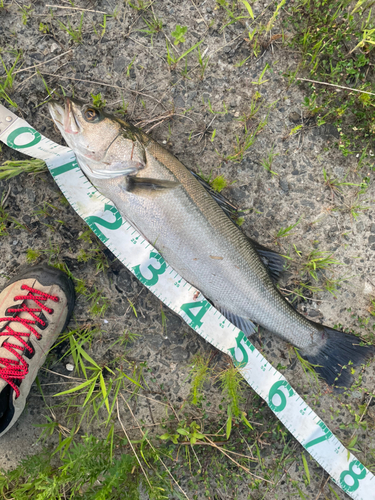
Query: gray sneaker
x=35 y=308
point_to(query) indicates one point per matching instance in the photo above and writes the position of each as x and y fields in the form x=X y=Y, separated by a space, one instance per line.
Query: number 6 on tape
x=275 y=390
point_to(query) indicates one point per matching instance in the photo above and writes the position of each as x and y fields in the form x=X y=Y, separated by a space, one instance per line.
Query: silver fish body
x=175 y=213
x=209 y=251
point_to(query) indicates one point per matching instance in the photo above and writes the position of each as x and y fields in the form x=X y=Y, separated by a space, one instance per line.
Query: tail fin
x=340 y=350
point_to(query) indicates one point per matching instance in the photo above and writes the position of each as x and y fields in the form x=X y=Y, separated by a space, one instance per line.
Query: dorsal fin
x=274 y=262
x=229 y=209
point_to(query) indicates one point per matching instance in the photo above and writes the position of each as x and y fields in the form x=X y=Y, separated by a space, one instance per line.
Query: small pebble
x=69 y=367
x=54 y=47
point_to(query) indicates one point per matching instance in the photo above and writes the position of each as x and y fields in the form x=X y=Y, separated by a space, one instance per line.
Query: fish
x=171 y=208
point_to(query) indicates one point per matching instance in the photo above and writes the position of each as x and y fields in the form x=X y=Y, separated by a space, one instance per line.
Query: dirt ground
x=181 y=109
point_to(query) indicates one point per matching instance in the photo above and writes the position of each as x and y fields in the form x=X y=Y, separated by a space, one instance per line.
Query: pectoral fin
x=144 y=186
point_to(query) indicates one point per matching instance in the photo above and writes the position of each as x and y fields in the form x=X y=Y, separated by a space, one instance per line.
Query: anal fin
x=244 y=324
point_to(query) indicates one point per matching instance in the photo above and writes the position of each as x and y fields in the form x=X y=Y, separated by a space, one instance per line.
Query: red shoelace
x=17 y=369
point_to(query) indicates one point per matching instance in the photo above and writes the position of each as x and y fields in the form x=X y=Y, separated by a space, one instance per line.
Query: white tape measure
x=151 y=269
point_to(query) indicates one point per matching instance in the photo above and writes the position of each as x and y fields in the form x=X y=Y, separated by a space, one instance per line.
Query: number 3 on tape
x=155 y=271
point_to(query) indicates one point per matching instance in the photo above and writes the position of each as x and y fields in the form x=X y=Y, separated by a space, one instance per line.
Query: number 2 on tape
x=93 y=221
x=276 y=390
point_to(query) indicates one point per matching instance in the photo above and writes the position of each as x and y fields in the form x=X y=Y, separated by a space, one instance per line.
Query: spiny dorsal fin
x=229 y=209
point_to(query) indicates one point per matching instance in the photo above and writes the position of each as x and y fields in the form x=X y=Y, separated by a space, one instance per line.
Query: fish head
x=87 y=130
x=105 y=146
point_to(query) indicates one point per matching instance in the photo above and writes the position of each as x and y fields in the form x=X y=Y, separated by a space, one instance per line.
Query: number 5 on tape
x=243 y=349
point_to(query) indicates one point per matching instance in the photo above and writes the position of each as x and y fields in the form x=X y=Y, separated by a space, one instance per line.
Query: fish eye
x=91 y=115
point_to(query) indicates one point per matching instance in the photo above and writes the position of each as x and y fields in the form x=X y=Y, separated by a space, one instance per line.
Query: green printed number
x=196 y=319
x=245 y=348
x=93 y=221
x=355 y=476
x=276 y=389
x=327 y=434
x=154 y=271
x=36 y=137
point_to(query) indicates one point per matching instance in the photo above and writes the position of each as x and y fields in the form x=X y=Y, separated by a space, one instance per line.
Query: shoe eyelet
x=51 y=311
x=40 y=337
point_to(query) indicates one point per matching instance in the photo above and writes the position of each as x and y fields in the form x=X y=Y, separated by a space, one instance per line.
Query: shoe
x=35 y=307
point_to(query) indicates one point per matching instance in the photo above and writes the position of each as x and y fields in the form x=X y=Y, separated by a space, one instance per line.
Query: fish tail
x=336 y=358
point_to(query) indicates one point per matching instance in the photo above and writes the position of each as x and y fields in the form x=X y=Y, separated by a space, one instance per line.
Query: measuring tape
x=150 y=268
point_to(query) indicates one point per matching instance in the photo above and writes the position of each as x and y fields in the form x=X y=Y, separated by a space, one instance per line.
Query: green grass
x=98 y=303
x=88 y=470
x=26 y=11
x=336 y=45
x=173 y=59
x=75 y=33
x=6 y=83
x=7 y=222
x=318 y=260
x=13 y=168
x=267 y=162
x=98 y=101
x=154 y=26
x=221 y=435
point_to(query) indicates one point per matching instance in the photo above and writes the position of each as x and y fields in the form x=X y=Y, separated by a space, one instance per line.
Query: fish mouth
x=64 y=116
